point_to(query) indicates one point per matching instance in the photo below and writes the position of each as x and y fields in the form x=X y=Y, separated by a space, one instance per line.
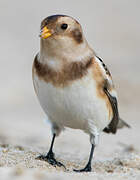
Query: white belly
x=76 y=106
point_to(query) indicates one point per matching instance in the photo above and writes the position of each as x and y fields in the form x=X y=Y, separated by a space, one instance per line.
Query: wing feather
x=109 y=90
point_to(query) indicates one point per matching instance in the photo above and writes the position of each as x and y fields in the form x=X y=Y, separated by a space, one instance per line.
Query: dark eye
x=64 y=26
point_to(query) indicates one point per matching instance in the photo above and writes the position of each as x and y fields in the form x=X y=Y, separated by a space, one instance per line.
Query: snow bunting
x=73 y=85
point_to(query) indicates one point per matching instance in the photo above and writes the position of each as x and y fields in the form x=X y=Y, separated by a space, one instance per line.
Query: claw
x=86 y=169
x=51 y=160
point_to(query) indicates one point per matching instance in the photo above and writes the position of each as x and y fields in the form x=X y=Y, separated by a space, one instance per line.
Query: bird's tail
x=122 y=124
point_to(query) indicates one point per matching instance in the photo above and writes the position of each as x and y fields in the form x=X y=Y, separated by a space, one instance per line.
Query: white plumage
x=75 y=106
x=73 y=85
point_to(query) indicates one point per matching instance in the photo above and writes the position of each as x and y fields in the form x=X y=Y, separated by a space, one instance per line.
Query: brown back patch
x=69 y=72
x=104 y=66
x=100 y=82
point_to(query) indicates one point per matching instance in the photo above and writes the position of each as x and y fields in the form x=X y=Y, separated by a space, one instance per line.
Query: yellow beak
x=45 y=33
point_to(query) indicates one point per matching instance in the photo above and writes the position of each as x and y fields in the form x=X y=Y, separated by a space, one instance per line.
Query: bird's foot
x=86 y=169
x=50 y=159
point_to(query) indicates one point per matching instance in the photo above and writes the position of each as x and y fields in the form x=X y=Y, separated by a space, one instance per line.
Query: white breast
x=76 y=106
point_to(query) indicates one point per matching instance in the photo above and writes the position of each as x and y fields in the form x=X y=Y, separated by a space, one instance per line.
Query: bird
x=73 y=85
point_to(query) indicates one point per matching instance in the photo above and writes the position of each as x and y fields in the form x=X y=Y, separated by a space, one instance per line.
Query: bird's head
x=61 y=34
x=61 y=27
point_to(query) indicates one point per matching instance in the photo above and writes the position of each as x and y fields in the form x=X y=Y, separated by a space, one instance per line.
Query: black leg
x=50 y=158
x=88 y=166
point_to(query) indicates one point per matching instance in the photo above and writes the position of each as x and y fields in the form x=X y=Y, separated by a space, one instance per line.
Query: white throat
x=56 y=57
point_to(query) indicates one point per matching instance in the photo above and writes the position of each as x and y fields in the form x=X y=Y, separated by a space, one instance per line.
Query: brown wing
x=108 y=87
x=112 y=127
x=116 y=122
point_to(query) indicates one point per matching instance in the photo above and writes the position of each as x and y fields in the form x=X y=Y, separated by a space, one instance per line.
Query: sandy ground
x=112 y=28
x=18 y=162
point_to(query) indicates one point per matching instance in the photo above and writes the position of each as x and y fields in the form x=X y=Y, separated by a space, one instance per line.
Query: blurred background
x=111 y=27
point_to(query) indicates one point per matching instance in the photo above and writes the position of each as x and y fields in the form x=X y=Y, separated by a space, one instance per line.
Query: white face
x=61 y=32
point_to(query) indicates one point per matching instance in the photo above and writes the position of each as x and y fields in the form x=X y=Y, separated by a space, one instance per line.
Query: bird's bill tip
x=45 y=33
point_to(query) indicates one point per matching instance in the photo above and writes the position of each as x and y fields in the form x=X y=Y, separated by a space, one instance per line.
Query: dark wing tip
x=122 y=124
